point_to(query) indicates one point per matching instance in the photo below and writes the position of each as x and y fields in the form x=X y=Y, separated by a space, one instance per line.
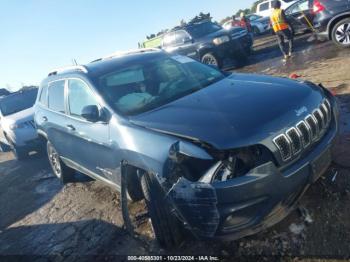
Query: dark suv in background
x=220 y=155
x=332 y=20
x=209 y=43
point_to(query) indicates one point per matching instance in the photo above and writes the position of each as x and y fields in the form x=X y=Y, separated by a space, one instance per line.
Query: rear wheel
x=165 y=225
x=341 y=33
x=63 y=173
x=211 y=59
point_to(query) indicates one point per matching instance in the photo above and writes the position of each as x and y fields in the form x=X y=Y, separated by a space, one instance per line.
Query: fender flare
x=334 y=20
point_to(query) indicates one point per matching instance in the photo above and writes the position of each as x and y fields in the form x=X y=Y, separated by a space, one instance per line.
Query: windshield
x=254 y=17
x=18 y=102
x=146 y=85
x=203 y=29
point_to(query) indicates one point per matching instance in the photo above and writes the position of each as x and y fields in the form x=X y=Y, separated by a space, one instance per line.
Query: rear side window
x=264 y=6
x=43 y=95
x=56 y=96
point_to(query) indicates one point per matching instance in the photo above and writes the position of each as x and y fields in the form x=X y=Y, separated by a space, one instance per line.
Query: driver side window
x=79 y=96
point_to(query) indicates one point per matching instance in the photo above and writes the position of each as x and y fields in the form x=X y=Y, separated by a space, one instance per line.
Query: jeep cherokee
x=221 y=155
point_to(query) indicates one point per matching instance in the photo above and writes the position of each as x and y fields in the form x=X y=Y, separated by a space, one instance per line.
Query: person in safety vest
x=282 y=29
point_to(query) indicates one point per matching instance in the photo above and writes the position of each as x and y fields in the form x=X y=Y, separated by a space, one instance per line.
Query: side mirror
x=91 y=113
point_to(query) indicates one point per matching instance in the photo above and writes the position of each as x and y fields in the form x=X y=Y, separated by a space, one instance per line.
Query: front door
x=88 y=142
x=300 y=16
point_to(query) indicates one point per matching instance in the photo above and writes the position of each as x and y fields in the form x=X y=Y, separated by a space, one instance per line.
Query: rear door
x=52 y=118
x=180 y=42
x=88 y=142
x=300 y=15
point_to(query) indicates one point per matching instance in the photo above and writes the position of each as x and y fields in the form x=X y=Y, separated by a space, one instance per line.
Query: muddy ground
x=39 y=216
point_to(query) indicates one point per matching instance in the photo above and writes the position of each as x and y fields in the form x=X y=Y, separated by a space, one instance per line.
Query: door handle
x=71 y=127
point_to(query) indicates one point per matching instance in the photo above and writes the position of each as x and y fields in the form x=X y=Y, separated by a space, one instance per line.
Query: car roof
x=105 y=64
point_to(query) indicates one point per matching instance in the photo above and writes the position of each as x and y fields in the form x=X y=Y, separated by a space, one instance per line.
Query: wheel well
x=205 y=51
x=334 y=22
x=133 y=179
x=42 y=137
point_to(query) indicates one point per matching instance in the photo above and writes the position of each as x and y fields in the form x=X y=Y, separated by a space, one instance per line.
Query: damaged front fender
x=196 y=204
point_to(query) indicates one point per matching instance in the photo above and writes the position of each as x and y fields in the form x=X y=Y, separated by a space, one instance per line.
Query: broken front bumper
x=246 y=205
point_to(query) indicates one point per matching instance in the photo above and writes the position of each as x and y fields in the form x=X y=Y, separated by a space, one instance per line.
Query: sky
x=37 y=36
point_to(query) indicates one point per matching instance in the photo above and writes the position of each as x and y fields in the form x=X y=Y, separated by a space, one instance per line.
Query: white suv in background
x=265 y=8
x=17 y=122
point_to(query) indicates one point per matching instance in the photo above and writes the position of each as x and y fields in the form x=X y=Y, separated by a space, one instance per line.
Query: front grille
x=319 y=119
x=311 y=122
x=238 y=34
x=306 y=132
x=284 y=147
x=295 y=139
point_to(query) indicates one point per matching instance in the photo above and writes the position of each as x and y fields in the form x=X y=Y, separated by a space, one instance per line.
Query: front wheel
x=211 y=59
x=63 y=173
x=341 y=33
x=165 y=225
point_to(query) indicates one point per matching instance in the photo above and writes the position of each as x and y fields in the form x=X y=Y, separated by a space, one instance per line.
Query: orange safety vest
x=277 y=20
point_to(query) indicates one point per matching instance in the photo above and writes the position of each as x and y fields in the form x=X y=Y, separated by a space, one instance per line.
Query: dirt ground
x=39 y=216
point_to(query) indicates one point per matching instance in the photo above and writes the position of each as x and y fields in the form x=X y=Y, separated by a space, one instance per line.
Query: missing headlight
x=238 y=163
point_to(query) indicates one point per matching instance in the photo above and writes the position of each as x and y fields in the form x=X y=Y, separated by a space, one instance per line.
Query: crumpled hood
x=241 y=110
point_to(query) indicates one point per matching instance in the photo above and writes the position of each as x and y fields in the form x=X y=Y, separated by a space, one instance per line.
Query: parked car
x=209 y=43
x=257 y=19
x=4 y=92
x=17 y=122
x=300 y=16
x=258 y=26
x=332 y=21
x=265 y=8
x=221 y=155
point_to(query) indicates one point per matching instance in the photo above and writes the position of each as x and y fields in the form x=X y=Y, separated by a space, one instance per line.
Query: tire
x=341 y=33
x=165 y=225
x=133 y=183
x=211 y=59
x=64 y=173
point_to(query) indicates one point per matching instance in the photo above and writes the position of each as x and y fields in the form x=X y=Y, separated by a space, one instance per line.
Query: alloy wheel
x=343 y=34
x=209 y=60
x=55 y=162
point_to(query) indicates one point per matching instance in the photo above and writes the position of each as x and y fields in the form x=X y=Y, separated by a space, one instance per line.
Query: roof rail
x=123 y=53
x=68 y=68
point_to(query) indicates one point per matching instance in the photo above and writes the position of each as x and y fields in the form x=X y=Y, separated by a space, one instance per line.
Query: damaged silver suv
x=220 y=155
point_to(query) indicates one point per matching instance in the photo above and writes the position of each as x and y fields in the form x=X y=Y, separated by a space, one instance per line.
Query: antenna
x=74 y=62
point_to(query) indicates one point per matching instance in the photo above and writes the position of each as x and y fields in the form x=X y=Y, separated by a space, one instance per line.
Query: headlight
x=220 y=40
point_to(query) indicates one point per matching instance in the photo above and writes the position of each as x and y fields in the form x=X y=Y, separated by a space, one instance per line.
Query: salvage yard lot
x=38 y=216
